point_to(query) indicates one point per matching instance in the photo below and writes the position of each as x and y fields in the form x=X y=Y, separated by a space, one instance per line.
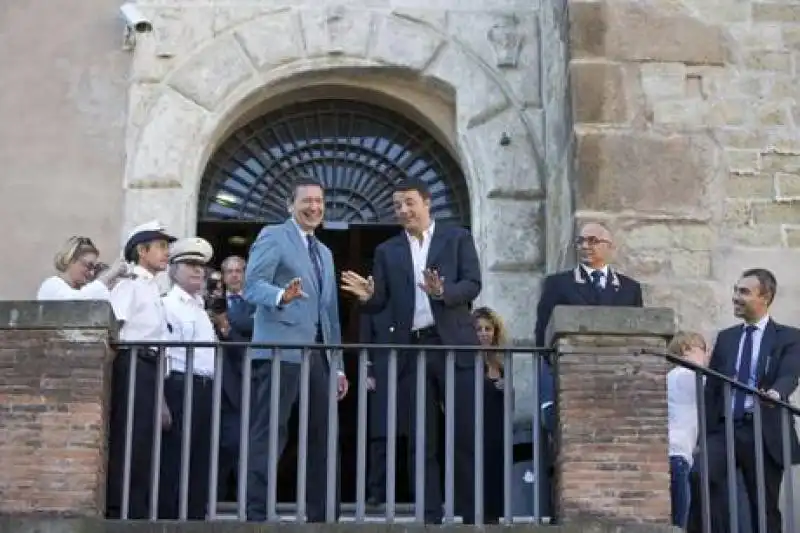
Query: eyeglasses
x=591 y=241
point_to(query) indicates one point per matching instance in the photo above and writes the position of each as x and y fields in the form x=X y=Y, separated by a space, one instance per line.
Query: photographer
x=80 y=276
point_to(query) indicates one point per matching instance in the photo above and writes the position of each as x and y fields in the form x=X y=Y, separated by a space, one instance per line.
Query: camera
x=216 y=302
x=135 y=19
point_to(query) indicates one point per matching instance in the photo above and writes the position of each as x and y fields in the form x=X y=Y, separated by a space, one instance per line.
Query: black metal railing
x=455 y=366
x=726 y=514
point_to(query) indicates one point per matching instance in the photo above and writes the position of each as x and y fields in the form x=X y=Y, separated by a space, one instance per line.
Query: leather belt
x=424 y=333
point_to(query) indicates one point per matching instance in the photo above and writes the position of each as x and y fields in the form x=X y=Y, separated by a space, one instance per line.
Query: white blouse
x=55 y=288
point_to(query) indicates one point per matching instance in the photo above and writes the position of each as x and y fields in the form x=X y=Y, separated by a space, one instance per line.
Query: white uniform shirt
x=55 y=288
x=137 y=302
x=423 y=315
x=682 y=412
x=190 y=322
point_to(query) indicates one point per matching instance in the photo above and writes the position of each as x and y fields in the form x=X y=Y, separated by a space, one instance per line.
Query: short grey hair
x=233 y=259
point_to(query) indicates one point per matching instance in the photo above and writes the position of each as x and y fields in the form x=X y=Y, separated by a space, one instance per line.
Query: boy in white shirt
x=683 y=422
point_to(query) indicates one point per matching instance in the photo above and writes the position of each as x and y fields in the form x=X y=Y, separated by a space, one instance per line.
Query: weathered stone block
x=514 y=295
x=598 y=92
x=752 y=186
x=479 y=95
x=775 y=213
x=512 y=169
x=644 y=31
x=264 y=50
x=645 y=172
x=404 y=43
x=780 y=12
x=787 y=186
x=508 y=41
x=694 y=302
x=336 y=30
x=55 y=381
x=515 y=241
x=174 y=127
x=208 y=77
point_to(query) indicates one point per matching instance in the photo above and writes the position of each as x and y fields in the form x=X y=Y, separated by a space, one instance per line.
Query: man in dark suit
x=376 y=329
x=240 y=329
x=593 y=282
x=765 y=355
x=428 y=276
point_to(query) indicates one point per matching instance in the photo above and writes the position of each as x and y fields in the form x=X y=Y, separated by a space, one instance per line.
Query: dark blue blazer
x=778 y=368
x=240 y=318
x=573 y=287
x=452 y=252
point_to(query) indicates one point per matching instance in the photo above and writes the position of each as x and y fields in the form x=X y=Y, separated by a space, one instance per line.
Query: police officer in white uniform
x=138 y=307
x=190 y=323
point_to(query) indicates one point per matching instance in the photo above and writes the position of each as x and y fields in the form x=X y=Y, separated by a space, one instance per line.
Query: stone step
x=404 y=514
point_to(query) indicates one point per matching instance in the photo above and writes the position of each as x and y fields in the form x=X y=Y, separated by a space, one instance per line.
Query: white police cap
x=191 y=249
x=144 y=233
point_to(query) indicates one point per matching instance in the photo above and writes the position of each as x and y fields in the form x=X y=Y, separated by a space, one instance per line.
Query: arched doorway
x=359 y=151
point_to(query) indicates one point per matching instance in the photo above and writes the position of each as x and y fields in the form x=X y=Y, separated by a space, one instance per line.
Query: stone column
x=54 y=384
x=611 y=460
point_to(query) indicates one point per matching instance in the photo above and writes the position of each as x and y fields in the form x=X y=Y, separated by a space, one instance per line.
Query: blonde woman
x=491 y=332
x=79 y=276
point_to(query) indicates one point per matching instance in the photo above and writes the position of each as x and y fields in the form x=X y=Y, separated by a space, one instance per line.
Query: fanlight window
x=356 y=150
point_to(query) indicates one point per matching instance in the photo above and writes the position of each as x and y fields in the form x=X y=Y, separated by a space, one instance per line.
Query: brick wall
x=612 y=459
x=53 y=384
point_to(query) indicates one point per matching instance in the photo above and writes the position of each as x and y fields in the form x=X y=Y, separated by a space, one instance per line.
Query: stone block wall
x=54 y=375
x=688 y=144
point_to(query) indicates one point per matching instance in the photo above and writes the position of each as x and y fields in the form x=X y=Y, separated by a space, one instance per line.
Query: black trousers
x=317 y=459
x=141 y=436
x=464 y=427
x=199 y=447
x=744 y=451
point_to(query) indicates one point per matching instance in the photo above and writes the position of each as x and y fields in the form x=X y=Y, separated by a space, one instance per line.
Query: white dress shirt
x=682 y=412
x=55 y=288
x=190 y=322
x=758 y=335
x=137 y=302
x=423 y=315
x=604 y=271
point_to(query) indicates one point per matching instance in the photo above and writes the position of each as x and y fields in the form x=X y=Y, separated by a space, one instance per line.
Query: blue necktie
x=316 y=259
x=743 y=374
x=597 y=280
x=234 y=300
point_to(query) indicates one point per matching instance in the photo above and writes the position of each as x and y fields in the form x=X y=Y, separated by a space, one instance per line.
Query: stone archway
x=501 y=134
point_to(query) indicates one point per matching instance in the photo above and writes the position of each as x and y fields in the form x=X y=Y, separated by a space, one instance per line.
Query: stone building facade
x=674 y=122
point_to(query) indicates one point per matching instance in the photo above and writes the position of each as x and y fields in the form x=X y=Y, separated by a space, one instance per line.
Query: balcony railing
x=453 y=357
x=542 y=420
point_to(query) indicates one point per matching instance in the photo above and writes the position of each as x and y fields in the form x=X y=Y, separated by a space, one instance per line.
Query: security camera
x=135 y=19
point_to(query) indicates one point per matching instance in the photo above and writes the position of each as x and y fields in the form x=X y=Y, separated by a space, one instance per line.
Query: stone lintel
x=610 y=321
x=79 y=314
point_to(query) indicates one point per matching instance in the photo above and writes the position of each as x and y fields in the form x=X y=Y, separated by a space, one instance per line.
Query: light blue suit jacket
x=279 y=255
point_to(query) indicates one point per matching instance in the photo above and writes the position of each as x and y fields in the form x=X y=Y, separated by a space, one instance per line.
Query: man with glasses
x=592 y=282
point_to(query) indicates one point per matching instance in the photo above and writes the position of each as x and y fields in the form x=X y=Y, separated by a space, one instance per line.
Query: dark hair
x=304 y=181
x=135 y=258
x=414 y=184
x=766 y=280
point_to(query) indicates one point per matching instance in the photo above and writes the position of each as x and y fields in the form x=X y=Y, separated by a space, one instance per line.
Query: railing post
x=611 y=458
x=55 y=381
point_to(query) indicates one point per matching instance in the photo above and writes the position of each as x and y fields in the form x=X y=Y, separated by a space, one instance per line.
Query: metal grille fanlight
x=358 y=151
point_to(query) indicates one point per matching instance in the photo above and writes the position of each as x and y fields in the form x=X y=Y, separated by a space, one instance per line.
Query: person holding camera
x=80 y=276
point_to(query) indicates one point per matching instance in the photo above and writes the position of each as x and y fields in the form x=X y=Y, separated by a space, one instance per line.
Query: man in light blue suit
x=290 y=279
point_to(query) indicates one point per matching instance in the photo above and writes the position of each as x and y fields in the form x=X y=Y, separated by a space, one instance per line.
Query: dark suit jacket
x=778 y=368
x=574 y=287
x=374 y=329
x=240 y=318
x=452 y=252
